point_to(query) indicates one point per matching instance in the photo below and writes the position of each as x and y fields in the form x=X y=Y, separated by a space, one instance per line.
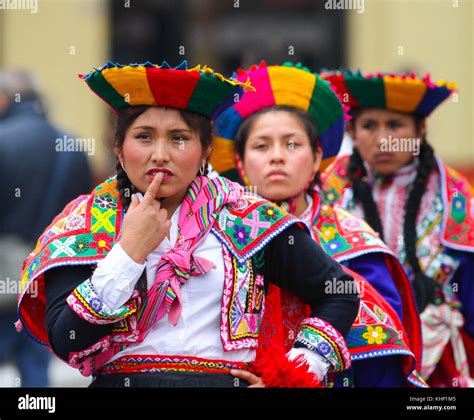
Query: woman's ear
x=207 y=152
x=318 y=156
x=422 y=129
x=118 y=153
x=350 y=129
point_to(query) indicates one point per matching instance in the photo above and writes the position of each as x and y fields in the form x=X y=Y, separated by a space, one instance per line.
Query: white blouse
x=197 y=332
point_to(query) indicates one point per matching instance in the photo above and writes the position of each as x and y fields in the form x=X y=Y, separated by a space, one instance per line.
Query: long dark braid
x=362 y=191
x=126 y=189
x=424 y=286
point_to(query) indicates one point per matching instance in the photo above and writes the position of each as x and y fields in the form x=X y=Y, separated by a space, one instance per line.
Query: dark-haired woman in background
x=276 y=140
x=158 y=277
x=422 y=208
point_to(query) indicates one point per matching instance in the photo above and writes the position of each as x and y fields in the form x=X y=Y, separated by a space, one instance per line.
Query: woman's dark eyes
x=395 y=125
x=392 y=125
x=179 y=137
x=290 y=145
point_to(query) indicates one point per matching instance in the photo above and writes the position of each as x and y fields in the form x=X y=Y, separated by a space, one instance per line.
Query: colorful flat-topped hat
x=290 y=85
x=199 y=89
x=400 y=93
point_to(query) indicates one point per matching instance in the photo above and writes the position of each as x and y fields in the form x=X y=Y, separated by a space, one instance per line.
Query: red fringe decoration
x=271 y=363
x=277 y=371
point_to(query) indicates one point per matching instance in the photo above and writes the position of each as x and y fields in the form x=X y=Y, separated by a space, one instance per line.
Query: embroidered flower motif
x=241 y=234
x=240 y=204
x=102 y=242
x=95 y=304
x=269 y=212
x=74 y=222
x=81 y=245
x=351 y=223
x=374 y=335
x=323 y=348
x=105 y=202
x=381 y=315
x=335 y=245
x=459 y=204
x=355 y=239
x=328 y=233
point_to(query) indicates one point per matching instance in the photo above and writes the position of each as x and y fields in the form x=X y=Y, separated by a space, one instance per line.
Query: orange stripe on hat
x=403 y=94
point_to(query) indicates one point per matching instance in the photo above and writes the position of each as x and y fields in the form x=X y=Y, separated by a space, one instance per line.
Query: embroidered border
x=321 y=337
x=228 y=298
x=165 y=363
x=85 y=302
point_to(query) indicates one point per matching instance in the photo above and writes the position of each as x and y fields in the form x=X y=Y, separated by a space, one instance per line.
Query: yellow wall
x=64 y=38
x=436 y=37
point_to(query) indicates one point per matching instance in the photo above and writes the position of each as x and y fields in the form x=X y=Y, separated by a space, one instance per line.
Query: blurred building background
x=66 y=37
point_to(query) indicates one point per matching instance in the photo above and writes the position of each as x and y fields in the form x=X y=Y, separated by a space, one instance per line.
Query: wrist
x=132 y=251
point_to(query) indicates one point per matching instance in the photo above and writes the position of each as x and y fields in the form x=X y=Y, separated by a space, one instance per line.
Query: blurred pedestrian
x=38 y=179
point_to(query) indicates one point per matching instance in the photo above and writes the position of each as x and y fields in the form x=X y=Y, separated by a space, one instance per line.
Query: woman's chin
x=385 y=168
x=276 y=195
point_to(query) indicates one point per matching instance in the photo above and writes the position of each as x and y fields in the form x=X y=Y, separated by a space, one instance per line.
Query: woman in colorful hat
x=158 y=277
x=422 y=208
x=275 y=139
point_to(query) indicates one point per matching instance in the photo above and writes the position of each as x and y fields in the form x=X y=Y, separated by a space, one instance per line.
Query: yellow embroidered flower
x=374 y=335
x=328 y=233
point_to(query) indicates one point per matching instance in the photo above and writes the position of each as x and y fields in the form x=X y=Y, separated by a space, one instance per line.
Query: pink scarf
x=201 y=205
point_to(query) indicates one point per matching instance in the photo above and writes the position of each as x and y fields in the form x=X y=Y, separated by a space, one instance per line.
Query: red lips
x=154 y=171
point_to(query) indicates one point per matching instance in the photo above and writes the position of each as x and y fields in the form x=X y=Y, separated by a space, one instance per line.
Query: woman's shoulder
x=457 y=196
x=344 y=235
x=335 y=178
x=248 y=223
x=85 y=229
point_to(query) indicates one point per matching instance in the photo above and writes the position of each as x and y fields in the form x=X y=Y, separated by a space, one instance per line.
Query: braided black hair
x=424 y=286
x=126 y=189
x=198 y=123
x=362 y=193
x=308 y=123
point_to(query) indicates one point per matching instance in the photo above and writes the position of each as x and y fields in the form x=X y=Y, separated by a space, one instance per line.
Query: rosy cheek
x=186 y=160
x=253 y=166
x=133 y=153
x=302 y=163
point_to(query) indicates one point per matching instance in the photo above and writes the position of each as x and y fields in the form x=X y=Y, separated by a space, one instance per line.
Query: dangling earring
x=123 y=167
x=202 y=169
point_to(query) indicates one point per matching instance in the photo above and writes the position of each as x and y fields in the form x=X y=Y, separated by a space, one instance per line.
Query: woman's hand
x=145 y=224
x=253 y=380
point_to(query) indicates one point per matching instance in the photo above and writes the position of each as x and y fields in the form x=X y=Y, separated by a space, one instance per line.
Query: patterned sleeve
x=321 y=337
x=87 y=304
x=293 y=261
x=77 y=326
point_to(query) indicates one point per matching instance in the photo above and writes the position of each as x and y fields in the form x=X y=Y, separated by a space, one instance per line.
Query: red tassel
x=271 y=363
x=277 y=371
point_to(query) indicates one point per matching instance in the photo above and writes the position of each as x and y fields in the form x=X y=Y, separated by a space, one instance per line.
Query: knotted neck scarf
x=203 y=201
